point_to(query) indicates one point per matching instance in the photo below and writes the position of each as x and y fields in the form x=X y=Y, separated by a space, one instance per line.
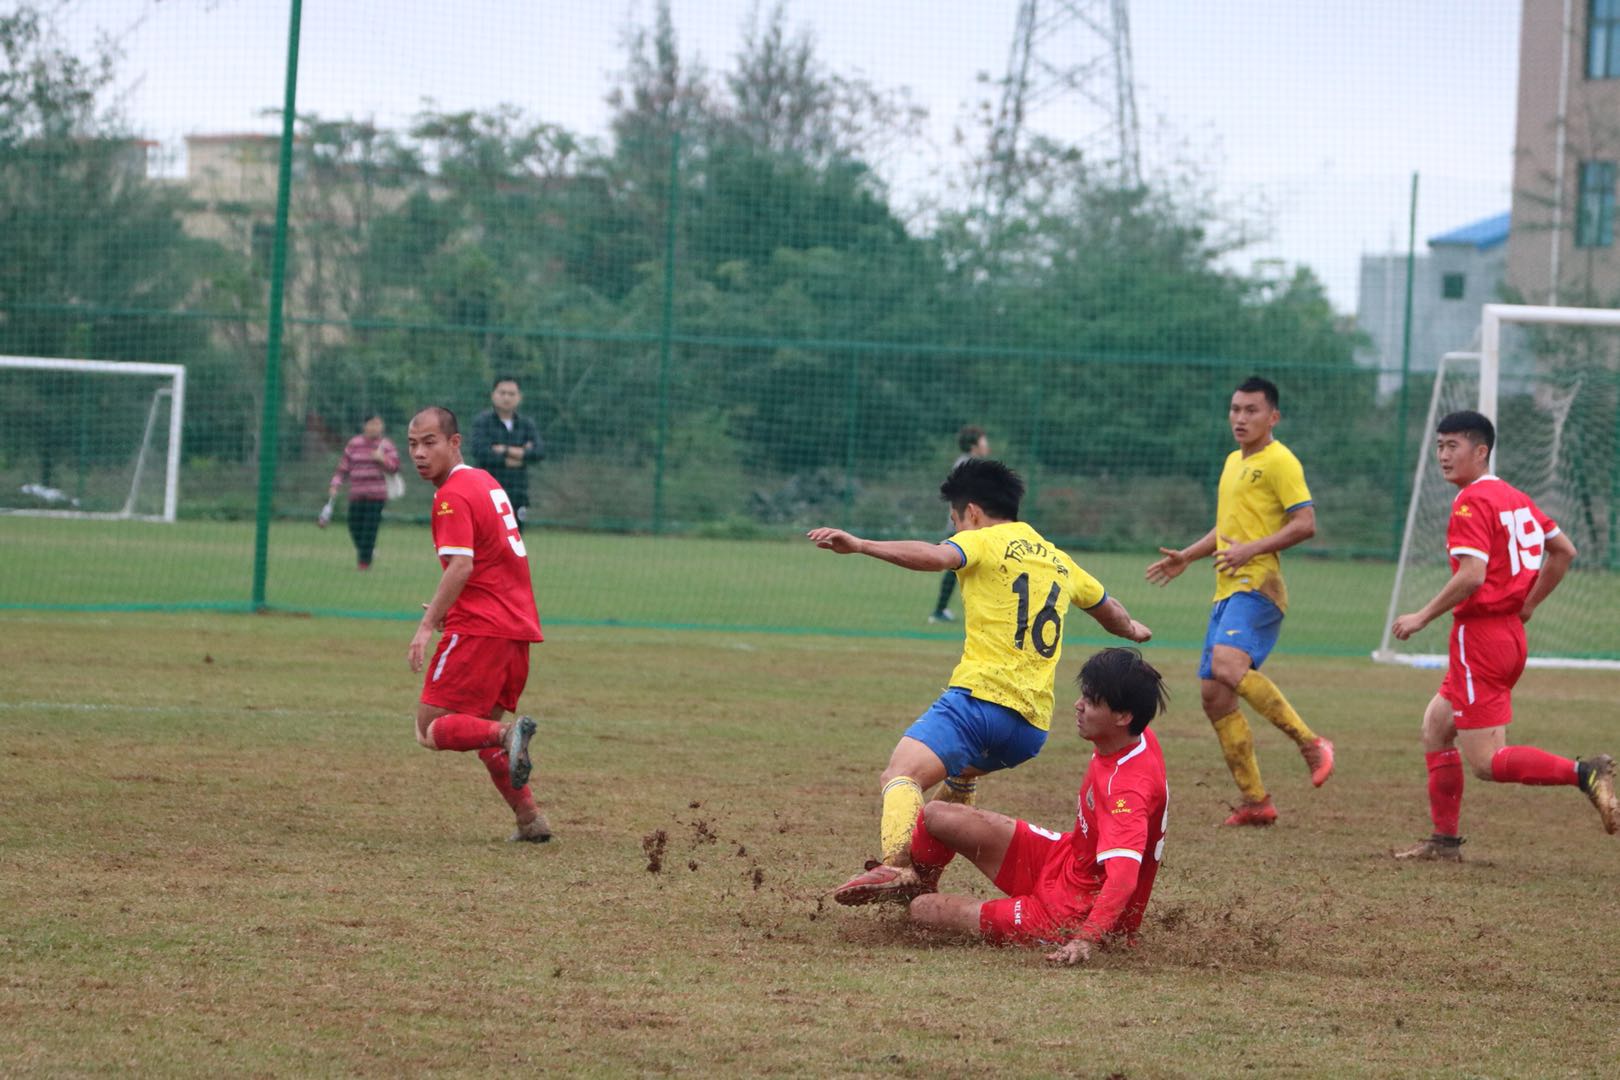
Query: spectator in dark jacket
x=504 y=443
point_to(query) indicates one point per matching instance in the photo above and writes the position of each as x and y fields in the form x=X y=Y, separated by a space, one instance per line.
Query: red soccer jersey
x=1123 y=810
x=473 y=516
x=1495 y=521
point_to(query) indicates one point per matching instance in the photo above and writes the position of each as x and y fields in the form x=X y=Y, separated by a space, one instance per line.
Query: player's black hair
x=969 y=437
x=369 y=417
x=1254 y=384
x=513 y=379
x=1125 y=682
x=994 y=487
x=1477 y=426
x=446 y=419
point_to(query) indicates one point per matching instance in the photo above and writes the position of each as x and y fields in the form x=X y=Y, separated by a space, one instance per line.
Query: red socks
x=927 y=851
x=462 y=731
x=1445 y=790
x=1527 y=765
x=500 y=774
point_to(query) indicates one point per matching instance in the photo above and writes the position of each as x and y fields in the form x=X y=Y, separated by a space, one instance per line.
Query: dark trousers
x=946 y=584
x=365 y=516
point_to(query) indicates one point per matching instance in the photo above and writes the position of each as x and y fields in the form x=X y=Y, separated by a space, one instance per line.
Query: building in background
x=1567 y=155
x=1462 y=272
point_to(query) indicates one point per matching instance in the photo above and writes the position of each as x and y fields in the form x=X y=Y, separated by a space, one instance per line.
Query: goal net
x=1548 y=379
x=90 y=438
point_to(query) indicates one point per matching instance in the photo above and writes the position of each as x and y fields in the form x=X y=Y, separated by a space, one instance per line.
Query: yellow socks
x=1238 y=746
x=958 y=789
x=1262 y=694
x=902 y=801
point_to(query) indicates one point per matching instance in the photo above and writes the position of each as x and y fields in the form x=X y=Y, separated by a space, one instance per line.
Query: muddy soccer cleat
x=1318 y=755
x=880 y=882
x=1436 y=848
x=534 y=831
x=1253 y=813
x=517 y=751
x=1597 y=780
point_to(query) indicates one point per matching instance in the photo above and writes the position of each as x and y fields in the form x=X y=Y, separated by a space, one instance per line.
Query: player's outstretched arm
x=1167 y=569
x=451 y=582
x=911 y=554
x=1470 y=576
x=1112 y=617
x=1559 y=554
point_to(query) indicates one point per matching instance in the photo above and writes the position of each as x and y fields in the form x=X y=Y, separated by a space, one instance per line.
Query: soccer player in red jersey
x=485 y=607
x=1070 y=890
x=1506 y=557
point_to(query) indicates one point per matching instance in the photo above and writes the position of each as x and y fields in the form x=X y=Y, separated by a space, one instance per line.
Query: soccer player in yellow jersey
x=1263 y=507
x=1016 y=589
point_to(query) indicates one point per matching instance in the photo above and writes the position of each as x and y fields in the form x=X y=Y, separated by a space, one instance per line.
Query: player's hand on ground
x=1077 y=951
x=1405 y=626
x=1167 y=569
x=834 y=540
x=1232 y=558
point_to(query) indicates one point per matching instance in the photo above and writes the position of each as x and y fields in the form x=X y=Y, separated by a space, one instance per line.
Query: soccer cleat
x=1253 y=813
x=880 y=882
x=534 y=831
x=517 y=751
x=1436 y=848
x=943 y=615
x=1318 y=755
x=1599 y=787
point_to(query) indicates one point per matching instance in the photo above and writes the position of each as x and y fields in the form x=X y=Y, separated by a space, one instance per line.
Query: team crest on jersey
x=1120 y=807
x=444 y=508
x=1463 y=511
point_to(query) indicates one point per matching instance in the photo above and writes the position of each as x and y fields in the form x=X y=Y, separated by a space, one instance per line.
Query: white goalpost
x=125 y=417
x=1558 y=439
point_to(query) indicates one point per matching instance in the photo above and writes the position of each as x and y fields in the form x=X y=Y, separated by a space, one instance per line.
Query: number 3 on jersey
x=503 y=507
x=1526 y=541
x=1046 y=617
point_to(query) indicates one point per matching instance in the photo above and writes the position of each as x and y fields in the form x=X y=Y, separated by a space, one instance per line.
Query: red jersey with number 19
x=1495 y=521
x=473 y=516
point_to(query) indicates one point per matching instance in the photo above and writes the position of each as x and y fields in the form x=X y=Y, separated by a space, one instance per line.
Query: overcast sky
x=1317 y=111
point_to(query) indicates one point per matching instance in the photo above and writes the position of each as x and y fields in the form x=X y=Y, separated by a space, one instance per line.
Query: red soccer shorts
x=476 y=675
x=1487 y=658
x=1028 y=914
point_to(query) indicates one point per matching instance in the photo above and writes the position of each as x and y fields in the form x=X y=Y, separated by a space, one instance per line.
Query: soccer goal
x=1548 y=378
x=90 y=438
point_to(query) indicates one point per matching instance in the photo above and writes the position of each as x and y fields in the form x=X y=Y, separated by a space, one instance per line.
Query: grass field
x=221 y=850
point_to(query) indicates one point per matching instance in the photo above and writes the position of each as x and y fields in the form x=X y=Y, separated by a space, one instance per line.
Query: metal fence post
x=666 y=331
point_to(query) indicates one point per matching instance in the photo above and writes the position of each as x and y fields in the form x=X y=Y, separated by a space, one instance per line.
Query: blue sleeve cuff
x=1098 y=604
x=1296 y=506
x=960 y=552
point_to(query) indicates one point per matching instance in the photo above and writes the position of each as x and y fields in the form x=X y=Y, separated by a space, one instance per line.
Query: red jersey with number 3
x=1495 y=521
x=473 y=516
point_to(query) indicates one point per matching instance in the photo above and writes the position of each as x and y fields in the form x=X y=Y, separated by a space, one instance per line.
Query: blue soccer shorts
x=971 y=733
x=1246 y=621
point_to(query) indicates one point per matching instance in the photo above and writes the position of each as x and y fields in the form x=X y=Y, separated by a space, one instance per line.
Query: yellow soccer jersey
x=1257 y=494
x=1016 y=588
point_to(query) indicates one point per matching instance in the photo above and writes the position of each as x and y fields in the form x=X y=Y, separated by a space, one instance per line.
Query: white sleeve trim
x=456 y=551
x=1475 y=552
x=1556 y=531
x=1119 y=853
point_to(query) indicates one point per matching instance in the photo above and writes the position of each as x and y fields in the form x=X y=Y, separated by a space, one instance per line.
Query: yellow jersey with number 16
x=1016 y=589
x=1256 y=495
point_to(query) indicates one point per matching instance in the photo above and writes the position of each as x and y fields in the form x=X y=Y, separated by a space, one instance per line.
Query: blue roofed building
x=1462 y=271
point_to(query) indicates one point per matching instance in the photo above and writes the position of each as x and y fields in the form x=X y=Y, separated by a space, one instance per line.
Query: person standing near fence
x=370 y=463
x=973 y=443
x=1507 y=556
x=1262 y=507
x=484 y=606
x=505 y=443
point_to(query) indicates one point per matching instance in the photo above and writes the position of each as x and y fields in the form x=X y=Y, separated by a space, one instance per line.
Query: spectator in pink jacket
x=367 y=463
